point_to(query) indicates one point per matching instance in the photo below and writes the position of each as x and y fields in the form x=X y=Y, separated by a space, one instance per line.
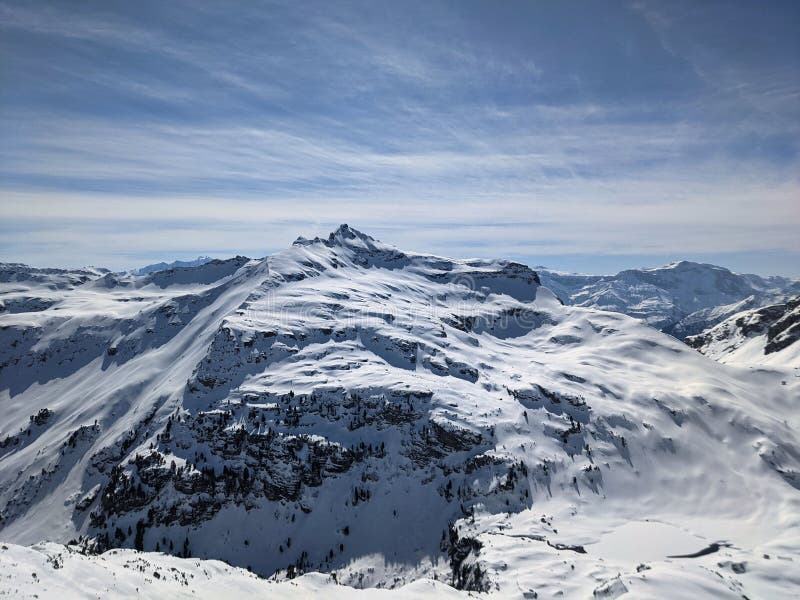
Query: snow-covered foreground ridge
x=382 y=417
x=51 y=571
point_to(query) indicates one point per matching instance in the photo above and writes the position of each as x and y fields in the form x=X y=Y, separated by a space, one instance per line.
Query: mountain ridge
x=165 y=266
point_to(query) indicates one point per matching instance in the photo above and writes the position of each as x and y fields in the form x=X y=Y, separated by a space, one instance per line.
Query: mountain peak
x=345 y=232
x=348 y=237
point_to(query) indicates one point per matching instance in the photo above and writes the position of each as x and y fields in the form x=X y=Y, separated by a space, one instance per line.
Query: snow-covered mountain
x=384 y=417
x=768 y=336
x=682 y=298
x=176 y=264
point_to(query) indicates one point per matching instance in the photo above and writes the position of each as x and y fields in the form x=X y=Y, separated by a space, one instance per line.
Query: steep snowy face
x=765 y=336
x=347 y=407
x=682 y=298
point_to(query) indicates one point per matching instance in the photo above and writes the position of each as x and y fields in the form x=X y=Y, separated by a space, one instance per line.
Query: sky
x=587 y=136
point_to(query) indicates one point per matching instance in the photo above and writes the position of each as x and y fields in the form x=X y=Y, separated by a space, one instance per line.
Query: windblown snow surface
x=345 y=415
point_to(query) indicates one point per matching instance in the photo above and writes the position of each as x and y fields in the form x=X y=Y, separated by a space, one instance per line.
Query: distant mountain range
x=682 y=299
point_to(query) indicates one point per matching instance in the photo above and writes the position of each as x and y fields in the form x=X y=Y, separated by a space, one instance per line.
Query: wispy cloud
x=527 y=131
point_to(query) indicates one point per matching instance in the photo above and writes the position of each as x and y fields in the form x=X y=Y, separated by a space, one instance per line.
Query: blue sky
x=589 y=136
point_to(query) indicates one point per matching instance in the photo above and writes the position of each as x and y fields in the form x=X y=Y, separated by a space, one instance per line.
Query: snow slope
x=348 y=408
x=682 y=298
